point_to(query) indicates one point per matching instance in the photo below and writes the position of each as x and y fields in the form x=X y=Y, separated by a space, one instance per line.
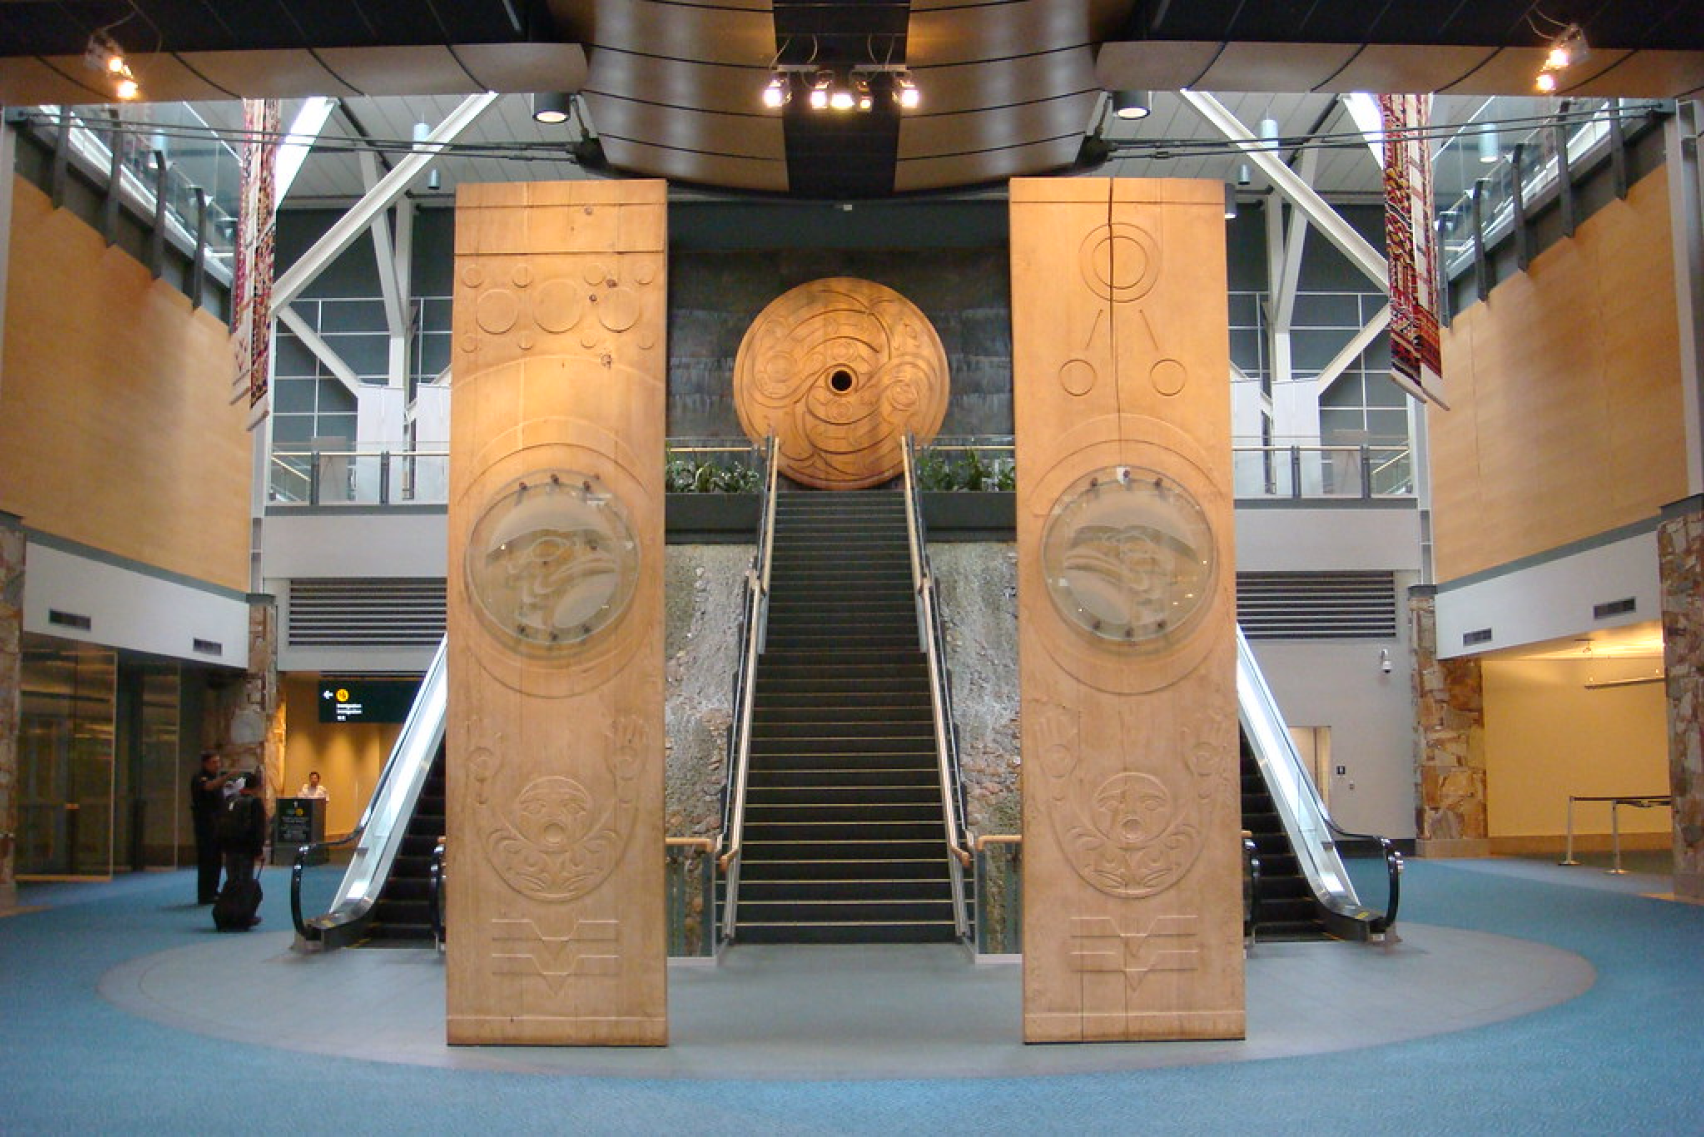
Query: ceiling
x=670 y=88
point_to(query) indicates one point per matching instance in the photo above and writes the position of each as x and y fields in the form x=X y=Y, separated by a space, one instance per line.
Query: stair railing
x=933 y=645
x=754 y=631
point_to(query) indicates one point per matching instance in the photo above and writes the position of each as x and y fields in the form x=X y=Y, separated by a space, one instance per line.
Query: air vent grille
x=1614 y=608
x=1317 y=605
x=366 y=612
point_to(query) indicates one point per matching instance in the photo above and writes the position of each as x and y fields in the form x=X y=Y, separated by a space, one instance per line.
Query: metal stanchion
x=1568 y=853
x=1615 y=868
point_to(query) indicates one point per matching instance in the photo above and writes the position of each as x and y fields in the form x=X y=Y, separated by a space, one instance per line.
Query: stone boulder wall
x=978 y=588
x=703 y=591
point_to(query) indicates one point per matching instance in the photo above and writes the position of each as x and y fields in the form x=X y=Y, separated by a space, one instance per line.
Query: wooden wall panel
x=116 y=429
x=1565 y=395
x=1126 y=612
x=555 y=729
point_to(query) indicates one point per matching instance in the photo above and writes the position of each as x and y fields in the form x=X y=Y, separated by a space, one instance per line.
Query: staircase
x=843 y=840
x=402 y=913
x=1285 y=908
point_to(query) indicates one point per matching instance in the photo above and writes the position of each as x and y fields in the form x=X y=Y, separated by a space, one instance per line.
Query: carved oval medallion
x=839 y=370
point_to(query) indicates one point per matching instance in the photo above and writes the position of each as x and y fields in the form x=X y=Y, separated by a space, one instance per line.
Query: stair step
x=922 y=796
x=843 y=868
x=752 y=851
x=766 y=828
x=840 y=779
x=847 y=933
x=860 y=911
x=851 y=888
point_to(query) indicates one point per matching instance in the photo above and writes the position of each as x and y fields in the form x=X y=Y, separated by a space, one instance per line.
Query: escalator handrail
x=408 y=755
x=436 y=894
x=1393 y=870
x=304 y=854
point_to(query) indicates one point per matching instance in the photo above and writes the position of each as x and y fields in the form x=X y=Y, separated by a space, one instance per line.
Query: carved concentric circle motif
x=1130 y=558
x=1120 y=261
x=839 y=370
x=551 y=561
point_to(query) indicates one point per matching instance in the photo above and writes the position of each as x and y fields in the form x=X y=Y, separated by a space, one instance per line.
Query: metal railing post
x=1568 y=849
x=384 y=477
x=313 y=477
x=1295 y=471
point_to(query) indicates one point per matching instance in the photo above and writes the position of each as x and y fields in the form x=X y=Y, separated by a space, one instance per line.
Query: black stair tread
x=917 y=888
x=842 y=779
x=818 y=797
x=783 y=933
x=851 y=850
x=820 y=867
x=799 y=812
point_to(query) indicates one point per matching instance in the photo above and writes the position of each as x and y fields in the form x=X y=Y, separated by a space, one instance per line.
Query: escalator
x=1304 y=890
x=386 y=894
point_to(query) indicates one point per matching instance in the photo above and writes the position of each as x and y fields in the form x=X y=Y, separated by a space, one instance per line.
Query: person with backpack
x=242 y=843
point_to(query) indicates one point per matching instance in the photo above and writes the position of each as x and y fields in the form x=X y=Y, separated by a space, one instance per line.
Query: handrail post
x=1568 y=849
x=1295 y=471
x=1366 y=471
x=1615 y=868
x=384 y=477
x=313 y=477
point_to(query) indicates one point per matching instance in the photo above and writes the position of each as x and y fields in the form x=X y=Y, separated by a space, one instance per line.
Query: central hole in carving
x=840 y=381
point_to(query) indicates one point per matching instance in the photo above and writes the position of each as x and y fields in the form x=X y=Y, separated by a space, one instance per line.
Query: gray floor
x=810 y=1013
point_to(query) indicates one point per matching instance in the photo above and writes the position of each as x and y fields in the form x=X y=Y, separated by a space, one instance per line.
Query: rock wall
x=978 y=586
x=1680 y=559
x=703 y=590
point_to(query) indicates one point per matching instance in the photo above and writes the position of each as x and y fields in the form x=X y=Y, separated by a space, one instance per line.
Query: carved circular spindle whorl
x=839 y=370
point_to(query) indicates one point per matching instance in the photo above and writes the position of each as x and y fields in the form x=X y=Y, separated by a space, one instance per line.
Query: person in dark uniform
x=206 y=795
x=242 y=842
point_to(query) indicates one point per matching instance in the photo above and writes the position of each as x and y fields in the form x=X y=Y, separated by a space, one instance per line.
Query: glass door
x=65 y=759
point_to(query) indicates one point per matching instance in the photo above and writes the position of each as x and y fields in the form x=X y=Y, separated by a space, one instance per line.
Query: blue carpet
x=1621 y=1059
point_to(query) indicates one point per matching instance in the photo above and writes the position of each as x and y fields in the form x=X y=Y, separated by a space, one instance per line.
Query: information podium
x=298 y=821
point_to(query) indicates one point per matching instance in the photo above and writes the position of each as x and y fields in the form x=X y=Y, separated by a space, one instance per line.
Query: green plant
x=686 y=475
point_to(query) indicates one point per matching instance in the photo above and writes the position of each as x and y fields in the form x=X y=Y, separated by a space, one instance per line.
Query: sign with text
x=366 y=700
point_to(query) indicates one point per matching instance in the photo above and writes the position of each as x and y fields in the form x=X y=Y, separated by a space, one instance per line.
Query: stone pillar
x=11 y=676
x=1680 y=564
x=246 y=720
x=1449 y=698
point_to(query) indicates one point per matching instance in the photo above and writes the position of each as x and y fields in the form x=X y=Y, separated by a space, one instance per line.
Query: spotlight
x=862 y=89
x=1567 y=49
x=840 y=96
x=819 y=90
x=1244 y=177
x=1230 y=201
x=1131 y=105
x=551 y=108
x=1546 y=82
x=778 y=92
x=103 y=54
x=906 y=92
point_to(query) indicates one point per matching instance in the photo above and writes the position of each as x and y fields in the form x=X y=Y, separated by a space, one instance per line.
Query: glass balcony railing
x=402 y=476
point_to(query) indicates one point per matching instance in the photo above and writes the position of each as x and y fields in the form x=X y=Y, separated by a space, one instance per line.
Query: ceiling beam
x=1262 y=152
x=304 y=131
x=348 y=228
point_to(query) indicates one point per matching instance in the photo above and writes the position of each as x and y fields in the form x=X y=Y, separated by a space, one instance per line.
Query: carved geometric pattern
x=839 y=370
x=521 y=948
x=1120 y=262
x=1099 y=945
x=605 y=292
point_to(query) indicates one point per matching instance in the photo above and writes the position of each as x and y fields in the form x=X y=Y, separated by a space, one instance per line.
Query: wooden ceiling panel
x=674 y=83
x=1645 y=75
x=268 y=74
x=922 y=174
x=1400 y=69
x=1274 y=66
x=757 y=175
x=731 y=32
x=1008 y=82
x=1152 y=65
x=734 y=136
x=961 y=34
x=525 y=67
x=928 y=136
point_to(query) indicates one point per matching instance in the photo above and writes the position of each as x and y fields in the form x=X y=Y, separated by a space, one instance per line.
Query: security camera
x=1384 y=660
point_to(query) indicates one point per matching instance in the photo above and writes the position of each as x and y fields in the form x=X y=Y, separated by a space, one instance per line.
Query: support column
x=1126 y=612
x=247 y=719
x=1449 y=698
x=1680 y=566
x=554 y=732
x=11 y=677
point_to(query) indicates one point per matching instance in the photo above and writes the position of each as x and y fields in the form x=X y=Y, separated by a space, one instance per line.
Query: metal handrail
x=946 y=756
x=436 y=907
x=1394 y=865
x=757 y=621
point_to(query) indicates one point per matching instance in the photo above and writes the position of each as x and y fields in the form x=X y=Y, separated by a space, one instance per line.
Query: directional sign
x=365 y=700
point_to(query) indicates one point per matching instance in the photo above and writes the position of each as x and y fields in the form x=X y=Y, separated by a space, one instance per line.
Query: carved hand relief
x=839 y=370
x=1129 y=558
x=1134 y=833
x=554 y=838
x=550 y=562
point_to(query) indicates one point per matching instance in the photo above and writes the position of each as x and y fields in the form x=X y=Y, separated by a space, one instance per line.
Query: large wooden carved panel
x=1126 y=611
x=555 y=722
x=840 y=370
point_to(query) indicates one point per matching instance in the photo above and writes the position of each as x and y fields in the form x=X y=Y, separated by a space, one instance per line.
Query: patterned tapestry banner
x=1411 y=245
x=251 y=268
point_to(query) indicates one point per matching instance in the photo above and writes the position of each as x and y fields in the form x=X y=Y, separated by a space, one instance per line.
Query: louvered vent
x=366 y=612
x=1317 y=605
